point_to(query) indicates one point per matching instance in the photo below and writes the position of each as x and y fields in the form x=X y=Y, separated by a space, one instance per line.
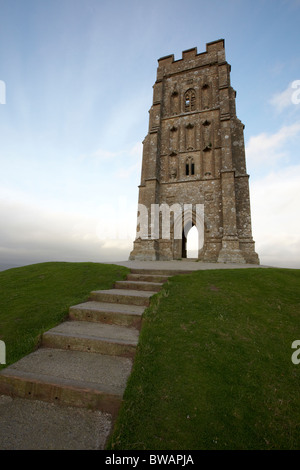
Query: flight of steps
x=86 y=361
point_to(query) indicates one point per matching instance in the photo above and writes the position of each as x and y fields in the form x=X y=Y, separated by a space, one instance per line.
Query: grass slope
x=35 y=298
x=213 y=368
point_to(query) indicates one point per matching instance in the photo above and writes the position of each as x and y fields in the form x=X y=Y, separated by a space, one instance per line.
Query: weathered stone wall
x=194 y=153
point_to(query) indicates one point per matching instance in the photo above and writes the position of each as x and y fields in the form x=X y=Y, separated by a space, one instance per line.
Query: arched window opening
x=189 y=101
x=189 y=167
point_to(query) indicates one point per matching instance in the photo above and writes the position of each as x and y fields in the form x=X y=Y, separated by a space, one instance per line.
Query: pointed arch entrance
x=192 y=243
x=194 y=221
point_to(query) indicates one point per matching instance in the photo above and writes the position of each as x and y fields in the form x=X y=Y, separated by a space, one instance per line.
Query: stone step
x=123 y=296
x=91 y=337
x=139 y=285
x=85 y=362
x=72 y=378
x=107 y=312
x=147 y=277
x=38 y=425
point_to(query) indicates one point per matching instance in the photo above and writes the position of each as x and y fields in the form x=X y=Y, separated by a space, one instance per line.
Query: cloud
x=275 y=195
x=91 y=220
x=134 y=155
x=30 y=233
x=127 y=163
x=136 y=150
x=275 y=217
x=287 y=98
x=269 y=148
x=125 y=173
x=283 y=99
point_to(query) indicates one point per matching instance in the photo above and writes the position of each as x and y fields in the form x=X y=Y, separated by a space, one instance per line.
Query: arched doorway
x=190 y=241
x=189 y=230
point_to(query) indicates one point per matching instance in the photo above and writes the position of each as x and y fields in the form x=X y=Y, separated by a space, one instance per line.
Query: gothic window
x=189 y=167
x=189 y=100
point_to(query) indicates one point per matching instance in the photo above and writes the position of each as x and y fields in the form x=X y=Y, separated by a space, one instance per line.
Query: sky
x=76 y=81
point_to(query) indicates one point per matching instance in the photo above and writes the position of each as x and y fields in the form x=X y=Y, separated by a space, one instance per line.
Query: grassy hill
x=213 y=368
x=35 y=298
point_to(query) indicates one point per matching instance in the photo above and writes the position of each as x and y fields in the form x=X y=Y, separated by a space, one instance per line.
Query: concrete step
x=72 y=378
x=37 y=425
x=83 y=363
x=123 y=296
x=147 y=277
x=91 y=337
x=107 y=312
x=139 y=285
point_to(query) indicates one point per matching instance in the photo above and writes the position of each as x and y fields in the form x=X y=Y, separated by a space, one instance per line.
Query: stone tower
x=194 y=160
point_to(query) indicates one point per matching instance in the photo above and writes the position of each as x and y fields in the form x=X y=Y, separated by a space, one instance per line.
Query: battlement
x=215 y=52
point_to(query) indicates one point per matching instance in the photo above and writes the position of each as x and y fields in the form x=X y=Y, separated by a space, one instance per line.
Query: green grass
x=213 y=368
x=35 y=298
